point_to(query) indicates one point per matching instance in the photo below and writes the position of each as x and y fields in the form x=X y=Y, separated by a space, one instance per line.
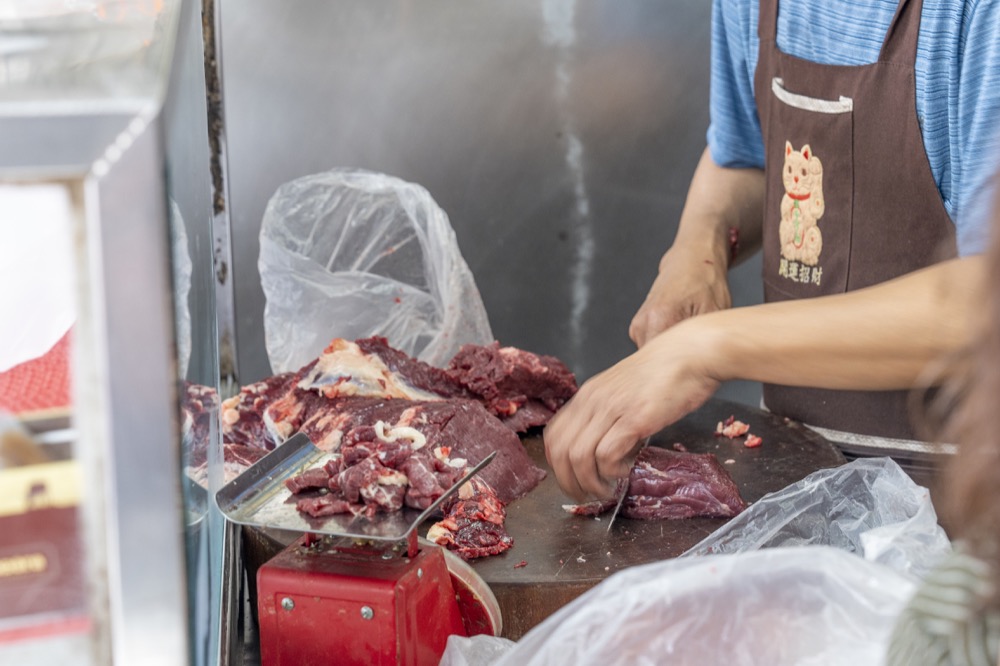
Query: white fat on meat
x=440 y=534
x=417 y=439
x=345 y=370
x=332 y=426
x=230 y=413
x=392 y=478
x=279 y=431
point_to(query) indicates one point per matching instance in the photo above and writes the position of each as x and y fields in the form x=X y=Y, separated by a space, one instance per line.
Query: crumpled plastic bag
x=816 y=573
x=869 y=506
x=352 y=253
x=813 y=605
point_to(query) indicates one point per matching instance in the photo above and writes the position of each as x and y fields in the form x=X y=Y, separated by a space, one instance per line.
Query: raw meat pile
x=672 y=484
x=403 y=431
x=521 y=389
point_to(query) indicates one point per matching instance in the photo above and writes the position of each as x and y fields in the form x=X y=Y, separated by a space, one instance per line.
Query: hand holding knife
x=622 y=489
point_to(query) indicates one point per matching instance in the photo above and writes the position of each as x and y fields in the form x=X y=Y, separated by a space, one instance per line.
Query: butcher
x=852 y=143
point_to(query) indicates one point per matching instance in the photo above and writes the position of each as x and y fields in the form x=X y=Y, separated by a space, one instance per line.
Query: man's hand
x=692 y=277
x=592 y=440
x=689 y=283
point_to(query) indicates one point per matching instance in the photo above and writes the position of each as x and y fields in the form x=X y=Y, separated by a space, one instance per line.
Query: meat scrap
x=473 y=524
x=667 y=484
x=731 y=428
x=598 y=507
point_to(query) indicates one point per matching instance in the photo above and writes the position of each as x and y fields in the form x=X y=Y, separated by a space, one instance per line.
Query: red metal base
x=319 y=604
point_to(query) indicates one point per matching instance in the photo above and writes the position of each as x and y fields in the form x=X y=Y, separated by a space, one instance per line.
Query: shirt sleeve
x=975 y=142
x=734 y=135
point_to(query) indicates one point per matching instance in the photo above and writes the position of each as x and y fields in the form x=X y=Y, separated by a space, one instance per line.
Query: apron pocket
x=809 y=199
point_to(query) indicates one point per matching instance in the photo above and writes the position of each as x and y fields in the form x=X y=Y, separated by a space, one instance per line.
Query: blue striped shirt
x=957 y=82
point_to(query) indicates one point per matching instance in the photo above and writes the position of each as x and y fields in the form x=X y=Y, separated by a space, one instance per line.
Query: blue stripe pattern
x=957 y=82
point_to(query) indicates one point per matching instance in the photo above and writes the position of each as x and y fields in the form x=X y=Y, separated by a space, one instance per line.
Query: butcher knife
x=623 y=490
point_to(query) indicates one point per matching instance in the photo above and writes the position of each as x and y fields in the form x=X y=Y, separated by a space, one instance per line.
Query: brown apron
x=850 y=202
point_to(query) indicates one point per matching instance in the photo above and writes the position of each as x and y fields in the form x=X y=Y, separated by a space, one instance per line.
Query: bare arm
x=692 y=273
x=882 y=337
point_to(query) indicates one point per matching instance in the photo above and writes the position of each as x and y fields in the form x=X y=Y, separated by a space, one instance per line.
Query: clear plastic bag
x=351 y=253
x=869 y=507
x=805 y=606
x=816 y=573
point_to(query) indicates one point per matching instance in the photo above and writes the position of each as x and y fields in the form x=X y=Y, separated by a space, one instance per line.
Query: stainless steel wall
x=559 y=136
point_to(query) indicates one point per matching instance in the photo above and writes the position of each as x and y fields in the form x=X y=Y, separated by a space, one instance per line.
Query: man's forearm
x=720 y=199
x=882 y=337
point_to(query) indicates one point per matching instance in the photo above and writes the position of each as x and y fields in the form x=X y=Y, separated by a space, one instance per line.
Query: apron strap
x=767 y=22
x=900 y=45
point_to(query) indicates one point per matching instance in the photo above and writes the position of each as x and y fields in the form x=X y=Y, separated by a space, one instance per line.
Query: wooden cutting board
x=565 y=555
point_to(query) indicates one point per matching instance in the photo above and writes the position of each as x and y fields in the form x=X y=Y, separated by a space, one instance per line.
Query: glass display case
x=110 y=551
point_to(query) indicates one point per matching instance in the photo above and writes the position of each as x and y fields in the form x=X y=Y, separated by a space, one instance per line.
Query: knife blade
x=622 y=488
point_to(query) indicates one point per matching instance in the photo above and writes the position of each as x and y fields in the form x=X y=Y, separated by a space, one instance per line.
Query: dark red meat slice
x=311 y=478
x=327 y=505
x=669 y=484
x=672 y=484
x=424 y=486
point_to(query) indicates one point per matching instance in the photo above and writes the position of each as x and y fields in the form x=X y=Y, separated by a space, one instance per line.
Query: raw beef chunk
x=417 y=474
x=506 y=379
x=520 y=388
x=473 y=524
x=671 y=484
x=668 y=484
x=463 y=427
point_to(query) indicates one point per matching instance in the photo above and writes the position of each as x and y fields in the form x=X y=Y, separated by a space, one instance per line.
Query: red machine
x=331 y=602
x=354 y=590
